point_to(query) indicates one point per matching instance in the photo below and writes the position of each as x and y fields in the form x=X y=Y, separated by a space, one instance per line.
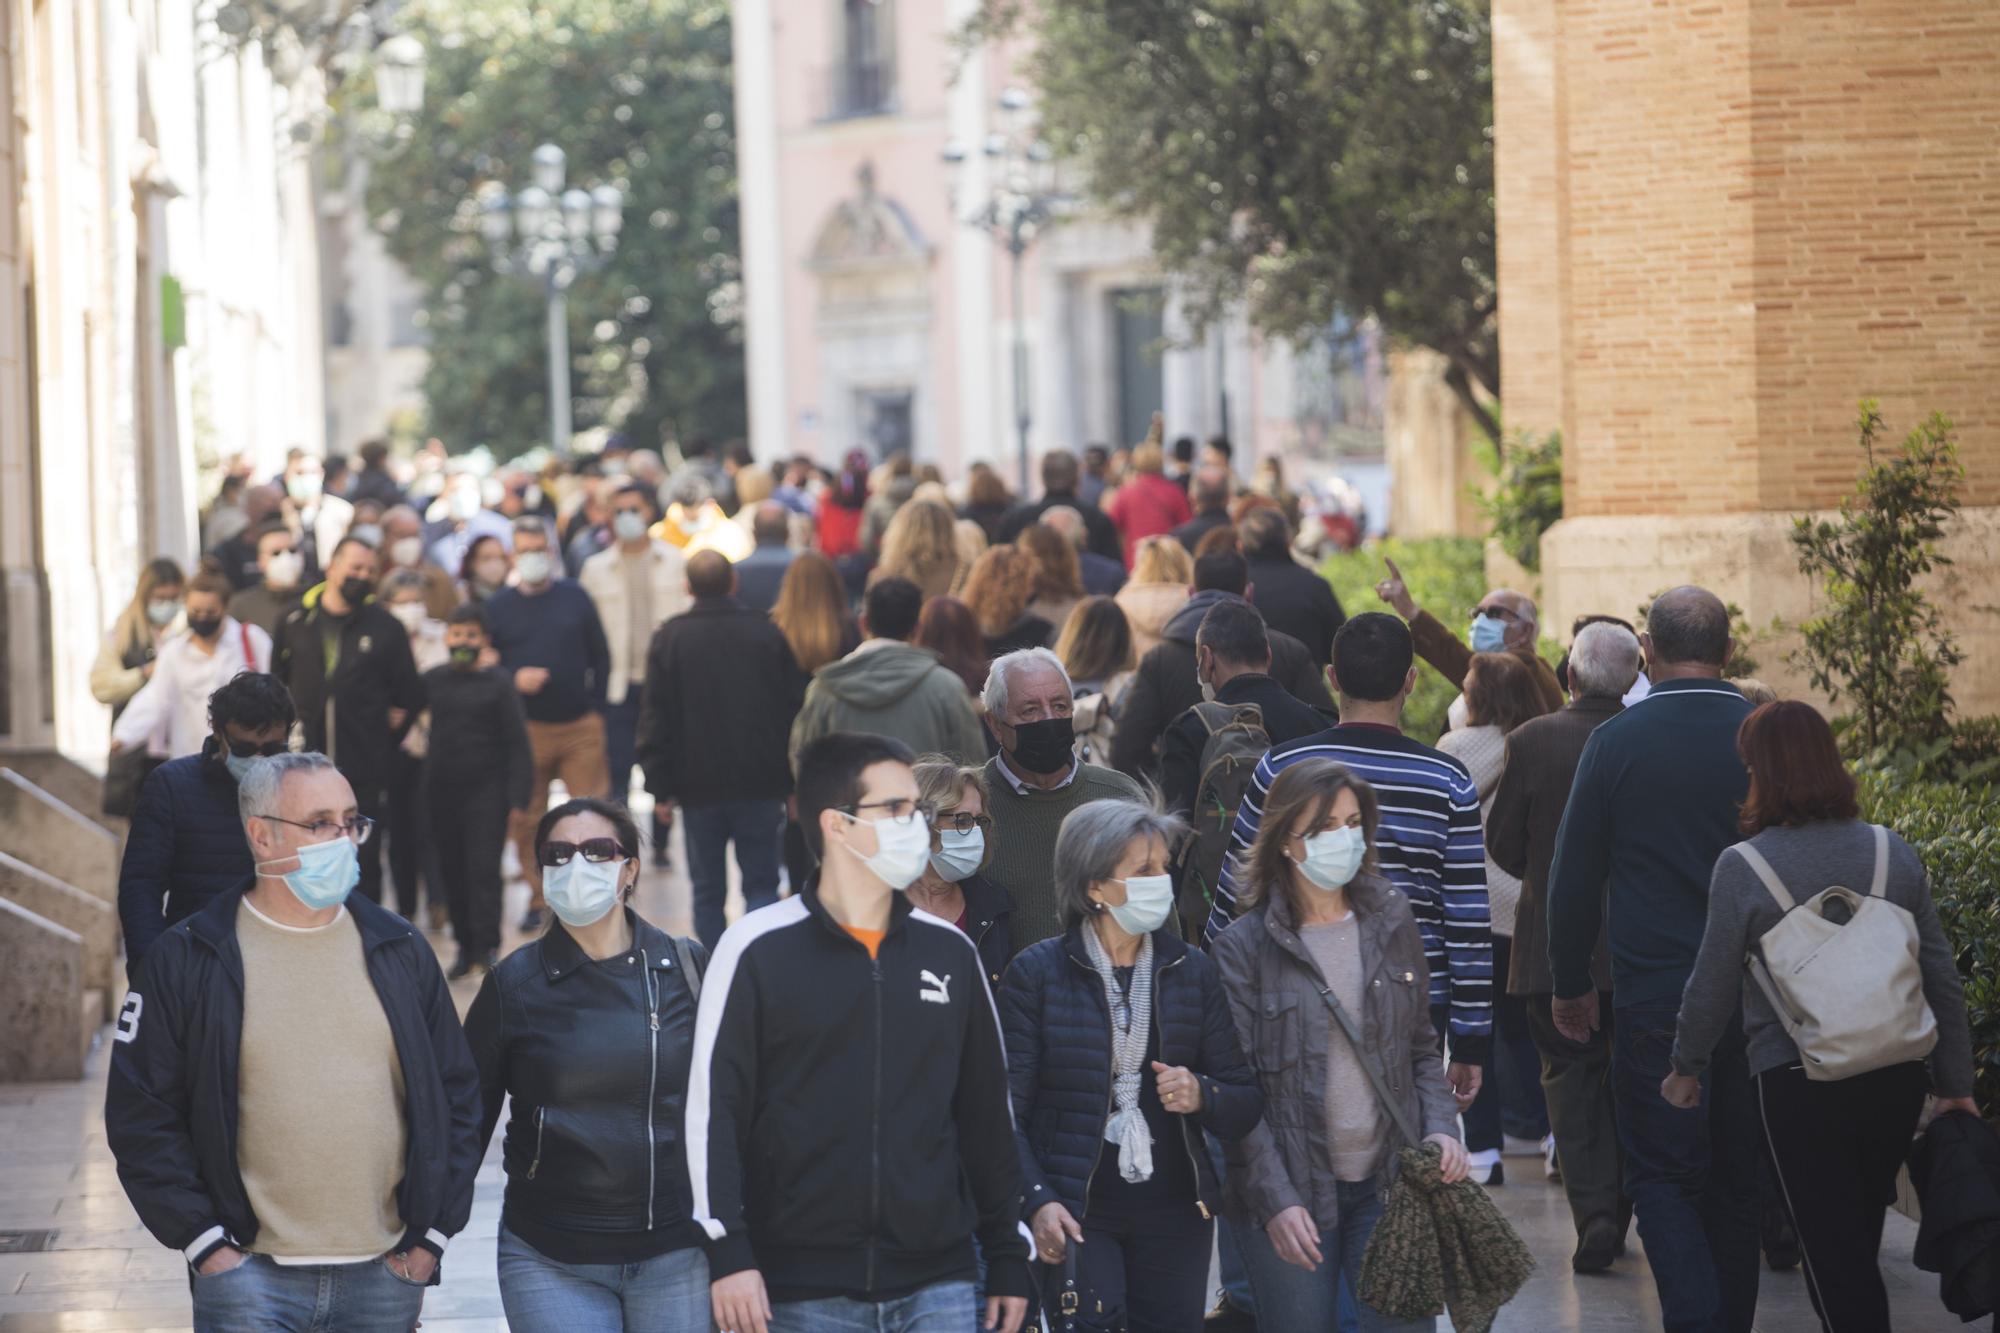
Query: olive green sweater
x=1023 y=840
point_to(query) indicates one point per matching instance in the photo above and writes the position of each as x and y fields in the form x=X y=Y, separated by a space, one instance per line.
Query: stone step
x=41 y=995
x=91 y=917
x=55 y=839
x=90 y=1019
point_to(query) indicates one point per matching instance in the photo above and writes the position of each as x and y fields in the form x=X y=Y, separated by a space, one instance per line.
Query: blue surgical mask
x=327 y=873
x=959 y=854
x=1148 y=900
x=580 y=891
x=1488 y=635
x=1334 y=857
x=238 y=765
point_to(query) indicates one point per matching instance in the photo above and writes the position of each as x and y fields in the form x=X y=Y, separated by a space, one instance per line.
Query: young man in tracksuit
x=848 y=1128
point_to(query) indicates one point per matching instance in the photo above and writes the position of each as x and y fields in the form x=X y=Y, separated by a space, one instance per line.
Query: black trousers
x=469 y=831
x=1140 y=1271
x=406 y=824
x=1837 y=1147
x=1576 y=1080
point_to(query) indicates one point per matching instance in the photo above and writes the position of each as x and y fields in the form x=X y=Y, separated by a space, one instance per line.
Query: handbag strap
x=1382 y=1093
x=689 y=972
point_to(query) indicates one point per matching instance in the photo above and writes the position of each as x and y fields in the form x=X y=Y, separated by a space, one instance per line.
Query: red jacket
x=1145 y=506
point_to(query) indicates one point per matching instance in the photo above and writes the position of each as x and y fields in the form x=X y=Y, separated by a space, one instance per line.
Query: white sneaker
x=1551 y=1164
x=1485 y=1166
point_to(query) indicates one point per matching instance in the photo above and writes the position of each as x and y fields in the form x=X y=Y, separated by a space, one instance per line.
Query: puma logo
x=935 y=988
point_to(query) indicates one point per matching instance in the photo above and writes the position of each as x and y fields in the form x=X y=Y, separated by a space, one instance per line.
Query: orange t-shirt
x=870 y=939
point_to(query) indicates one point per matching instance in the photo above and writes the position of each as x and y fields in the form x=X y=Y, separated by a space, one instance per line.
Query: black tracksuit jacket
x=848 y=1125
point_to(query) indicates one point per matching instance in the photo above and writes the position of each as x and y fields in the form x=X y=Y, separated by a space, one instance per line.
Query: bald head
x=1067 y=523
x=401 y=521
x=1687 y=633
x=1210 y=490
x=771 y=524
x=260 y=502
x=709 y=574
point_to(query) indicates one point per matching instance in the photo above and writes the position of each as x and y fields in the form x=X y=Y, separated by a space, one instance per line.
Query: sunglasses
x=252 y=750
x=597 y=851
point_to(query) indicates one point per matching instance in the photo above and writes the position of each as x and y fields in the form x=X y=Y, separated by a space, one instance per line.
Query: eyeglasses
x=900 y=811
x=357 y=828
x=597 y=851
x=252 y=750
x=960 y=822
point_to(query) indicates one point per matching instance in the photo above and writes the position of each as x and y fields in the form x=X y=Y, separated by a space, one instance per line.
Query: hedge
x=1446 y=576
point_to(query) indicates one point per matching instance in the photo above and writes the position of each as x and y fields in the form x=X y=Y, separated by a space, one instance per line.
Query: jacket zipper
x=875 y=1130
x=541 y=1114
x=1161 y=1032
x=652 y=1085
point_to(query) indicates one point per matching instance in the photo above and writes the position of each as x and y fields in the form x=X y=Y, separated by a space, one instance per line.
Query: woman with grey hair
x=1120 y=1053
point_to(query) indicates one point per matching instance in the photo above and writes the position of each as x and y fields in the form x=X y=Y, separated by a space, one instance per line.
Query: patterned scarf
x=1131 y=1020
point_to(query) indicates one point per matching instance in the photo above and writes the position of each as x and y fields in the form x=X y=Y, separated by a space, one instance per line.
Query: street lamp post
x=552 y=234
x=1022 y=201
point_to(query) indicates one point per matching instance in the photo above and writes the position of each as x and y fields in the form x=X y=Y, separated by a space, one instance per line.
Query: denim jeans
x=1290 y=1298
x=1691 y=1175
x=260 y=1296
x=756 y=827
x=1510 y=1089
x=542 y=1295
x=945 y=1307
x=621 y=742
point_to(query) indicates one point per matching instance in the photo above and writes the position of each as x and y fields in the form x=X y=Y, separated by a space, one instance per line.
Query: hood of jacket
x=875 y=678
x=1181 y=628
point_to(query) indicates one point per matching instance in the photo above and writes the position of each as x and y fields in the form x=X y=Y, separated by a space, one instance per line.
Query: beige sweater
x=1483 y=751
x=321 y=1133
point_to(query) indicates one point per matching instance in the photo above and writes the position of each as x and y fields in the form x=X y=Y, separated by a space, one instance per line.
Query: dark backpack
x=1236 y=741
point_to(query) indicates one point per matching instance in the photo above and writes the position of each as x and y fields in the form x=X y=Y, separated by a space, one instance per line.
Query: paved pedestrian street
x=96 y=1268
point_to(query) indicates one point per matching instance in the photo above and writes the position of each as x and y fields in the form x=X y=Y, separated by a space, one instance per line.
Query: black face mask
x=464 y=658
x=207 y=627
x=1044 y=746
x=356 y=591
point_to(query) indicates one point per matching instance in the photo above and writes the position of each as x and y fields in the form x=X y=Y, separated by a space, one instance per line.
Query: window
x=864 y=83
x=887 y=424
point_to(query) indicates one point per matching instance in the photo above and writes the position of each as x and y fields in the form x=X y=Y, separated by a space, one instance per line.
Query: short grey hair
x=1094 y=839
x=403 y=580
x=534 y=525
x=1005 y=665
x=1068 y=523
x=261 y=788
x=1604 y=659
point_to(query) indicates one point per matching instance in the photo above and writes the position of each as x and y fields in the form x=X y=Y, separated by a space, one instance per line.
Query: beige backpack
x=1850 y=993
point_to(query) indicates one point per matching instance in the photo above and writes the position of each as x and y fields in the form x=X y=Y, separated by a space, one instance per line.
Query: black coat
x=1058 y=1032
x=478 y=736
x=170 y=1106
x=1166 y=685
x=1296 y=601
x=186 y=846
x=1955 y=1166
x=989 y=920
x=1101 y=534
x=1285 y=719
x=595 y=1056
x=345 y=716
x=722 y=689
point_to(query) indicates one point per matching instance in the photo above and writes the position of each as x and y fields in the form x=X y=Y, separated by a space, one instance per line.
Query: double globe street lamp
x=552 y=234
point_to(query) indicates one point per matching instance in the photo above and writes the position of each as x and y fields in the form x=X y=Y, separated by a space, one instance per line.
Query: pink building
x=877 y=317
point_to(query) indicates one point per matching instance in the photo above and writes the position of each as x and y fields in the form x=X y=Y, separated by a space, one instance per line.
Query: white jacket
x=604 y=579
x=169 y=714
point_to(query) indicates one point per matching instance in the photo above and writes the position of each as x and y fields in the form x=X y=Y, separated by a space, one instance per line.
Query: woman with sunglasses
x=589 y=1029
x=951 y=887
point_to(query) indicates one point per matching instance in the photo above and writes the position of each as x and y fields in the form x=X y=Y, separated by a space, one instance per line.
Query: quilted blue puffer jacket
x=1058 y=1033
x=186 y=846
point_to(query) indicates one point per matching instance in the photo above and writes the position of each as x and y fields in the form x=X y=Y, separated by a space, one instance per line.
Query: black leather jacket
x=595 y=1056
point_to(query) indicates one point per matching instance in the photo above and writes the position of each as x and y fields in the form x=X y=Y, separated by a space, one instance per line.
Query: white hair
x=1604 y=659
x=1067 y=522
x=261 y=789
x=995 y=693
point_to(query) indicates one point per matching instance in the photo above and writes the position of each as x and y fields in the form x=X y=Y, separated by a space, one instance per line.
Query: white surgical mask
x=533 y=567
x=304 y=487
x=580 y=891
x=410 y=613
x=1148 y=900
x=367 y=532
x=629 y=525
x=162 y=613
x=959 y=854
x=1333 y=857
x=282 y=571
x=464 y=503
x=406 y=551
x=901 y=850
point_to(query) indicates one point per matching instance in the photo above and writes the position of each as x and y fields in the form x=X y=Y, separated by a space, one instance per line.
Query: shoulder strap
x=689 y=972
x=249 y=657
x=1881 y=883
x=1755 y=860
x=1382 y=1094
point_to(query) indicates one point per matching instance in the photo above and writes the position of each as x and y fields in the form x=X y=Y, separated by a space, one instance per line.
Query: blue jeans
x=1691 y=1175
x=258 y=1296
x=1290 y=1298
x=946 y=1307
x=542 y=1295
x=757 y=828
x=1510 y=1089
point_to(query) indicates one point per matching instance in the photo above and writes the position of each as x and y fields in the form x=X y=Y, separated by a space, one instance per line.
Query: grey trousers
x=1576 y=1080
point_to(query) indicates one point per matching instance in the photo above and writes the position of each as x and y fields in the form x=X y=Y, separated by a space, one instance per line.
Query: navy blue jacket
x=1058 y=1033
x=186 y=847
x=558 y=629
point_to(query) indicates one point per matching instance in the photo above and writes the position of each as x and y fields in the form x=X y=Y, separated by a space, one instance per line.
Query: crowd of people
x=1099 y=915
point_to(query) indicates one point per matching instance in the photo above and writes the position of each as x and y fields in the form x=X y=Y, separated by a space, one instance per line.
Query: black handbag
x=1063 y=1301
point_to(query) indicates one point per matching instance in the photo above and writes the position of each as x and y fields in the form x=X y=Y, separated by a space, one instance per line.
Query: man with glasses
x=291 y=1102
x=848 y=1131
x=1504 y=621
x=721 y=689
x=186 y=845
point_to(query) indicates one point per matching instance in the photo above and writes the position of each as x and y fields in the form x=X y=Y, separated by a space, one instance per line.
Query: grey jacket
x=1741 y=910
x=1274 y=990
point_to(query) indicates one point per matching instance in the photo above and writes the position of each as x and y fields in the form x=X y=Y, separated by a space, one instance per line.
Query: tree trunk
x=1460 y=382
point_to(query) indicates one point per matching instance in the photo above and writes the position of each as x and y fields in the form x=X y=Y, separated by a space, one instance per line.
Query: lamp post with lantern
x=552 y=234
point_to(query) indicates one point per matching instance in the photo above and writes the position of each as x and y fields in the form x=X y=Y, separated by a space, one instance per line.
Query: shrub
x=1528 y=500
x=1446 y=576
x=1955 y=829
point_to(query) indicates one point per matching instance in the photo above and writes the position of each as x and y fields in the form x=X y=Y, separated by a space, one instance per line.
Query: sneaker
x=1551 y=1163
x=1598 y=1247
x=1487 y=1168
x=1228 y=1318
x=1514 y=1146
x=532 y=920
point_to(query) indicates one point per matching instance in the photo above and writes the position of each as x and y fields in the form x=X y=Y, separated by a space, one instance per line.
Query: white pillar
x=985 y=428
x=763 y=249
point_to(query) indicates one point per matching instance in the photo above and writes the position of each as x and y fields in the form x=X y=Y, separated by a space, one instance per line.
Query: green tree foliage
x=1880 y=643
x=1446 y=576
x=637 y=92
x=1528 y=500
x=1304 y=156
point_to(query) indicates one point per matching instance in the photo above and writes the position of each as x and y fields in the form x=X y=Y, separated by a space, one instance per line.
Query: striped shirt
x=1427 y=842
